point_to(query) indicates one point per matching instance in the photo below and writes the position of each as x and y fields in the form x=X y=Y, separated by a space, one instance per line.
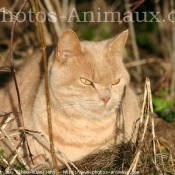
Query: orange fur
x=84 y=116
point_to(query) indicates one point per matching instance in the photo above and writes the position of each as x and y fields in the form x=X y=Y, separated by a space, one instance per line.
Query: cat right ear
x=118 y=44
x=68 y=46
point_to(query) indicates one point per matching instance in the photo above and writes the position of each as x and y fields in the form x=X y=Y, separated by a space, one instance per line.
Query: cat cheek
x=116 y=91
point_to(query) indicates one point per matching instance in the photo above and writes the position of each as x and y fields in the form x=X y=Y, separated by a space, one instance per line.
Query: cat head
x=87 y=76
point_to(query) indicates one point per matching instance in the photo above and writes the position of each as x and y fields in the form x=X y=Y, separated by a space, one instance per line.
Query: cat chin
x=92 y=112
x=97 y=114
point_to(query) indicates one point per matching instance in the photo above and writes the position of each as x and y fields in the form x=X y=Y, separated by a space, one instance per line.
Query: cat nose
x=105 y=99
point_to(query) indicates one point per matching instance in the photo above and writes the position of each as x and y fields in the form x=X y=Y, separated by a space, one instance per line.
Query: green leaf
x=168 y=115
x=161 y=104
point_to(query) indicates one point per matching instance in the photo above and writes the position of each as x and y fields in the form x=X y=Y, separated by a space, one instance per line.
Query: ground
x=165 y=132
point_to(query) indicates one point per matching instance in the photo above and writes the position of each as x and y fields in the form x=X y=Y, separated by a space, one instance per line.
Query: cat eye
x=116 y=81
x=85 y=81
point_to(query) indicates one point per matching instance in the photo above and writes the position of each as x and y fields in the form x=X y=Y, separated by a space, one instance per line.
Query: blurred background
x=150 y=48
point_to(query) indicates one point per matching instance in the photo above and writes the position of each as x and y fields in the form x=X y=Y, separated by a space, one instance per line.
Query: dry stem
x=133 y=39
x=172 y=56
x=147 y=111
x=13 y=71
x=55 y=166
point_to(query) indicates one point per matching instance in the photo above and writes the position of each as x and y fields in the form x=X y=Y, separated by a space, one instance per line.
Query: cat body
x=88 y=86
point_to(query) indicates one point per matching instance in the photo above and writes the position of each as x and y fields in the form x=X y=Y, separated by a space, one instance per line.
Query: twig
x=11 y=135
x=14 y=157
x=72 y=4
x=12 y=60
x=162 y=32
x=20 y=158
x=9 y=118
x=147 y=110
x=13 y=72
x=138 y=3
x=17 y=172
x=143 y=106
x=133 y=39
x=55 y=24
x=172 y=58
x=145 y=61
x=152 y=119
x=65 y=7
x=56 y=149
x=158 y=143
x=58 y=7
x=55 y=166
x=14 y=5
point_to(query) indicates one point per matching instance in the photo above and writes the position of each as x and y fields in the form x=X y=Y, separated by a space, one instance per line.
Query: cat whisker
x=71 y=105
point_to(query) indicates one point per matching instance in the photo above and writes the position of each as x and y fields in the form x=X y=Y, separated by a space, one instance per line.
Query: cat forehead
x=94 y=46
x=94 y=63
x=95 y=52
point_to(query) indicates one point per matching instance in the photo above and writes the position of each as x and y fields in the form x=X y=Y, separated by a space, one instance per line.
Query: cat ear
x=117 y=45
x=68 y=45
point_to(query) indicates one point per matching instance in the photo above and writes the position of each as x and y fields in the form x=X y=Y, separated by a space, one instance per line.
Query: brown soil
x=165 y=131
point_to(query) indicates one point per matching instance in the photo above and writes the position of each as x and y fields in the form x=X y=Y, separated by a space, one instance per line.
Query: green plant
x=164 y=107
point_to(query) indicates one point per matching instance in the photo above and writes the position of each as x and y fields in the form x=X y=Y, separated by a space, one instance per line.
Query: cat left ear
x=116 y=47
x=68 y=46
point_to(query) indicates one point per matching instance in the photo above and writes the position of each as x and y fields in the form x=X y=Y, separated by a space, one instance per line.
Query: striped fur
x=84 y=116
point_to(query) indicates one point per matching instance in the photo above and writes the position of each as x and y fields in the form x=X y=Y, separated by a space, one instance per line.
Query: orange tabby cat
x=88 y=85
